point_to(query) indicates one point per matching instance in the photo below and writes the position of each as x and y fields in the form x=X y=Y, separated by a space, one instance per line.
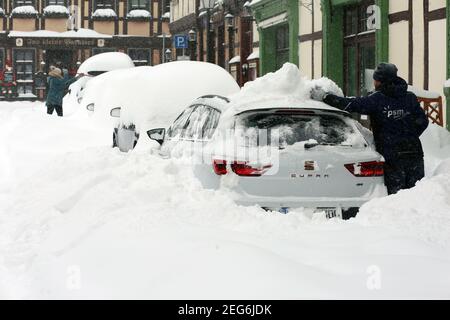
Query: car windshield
x=290 y=128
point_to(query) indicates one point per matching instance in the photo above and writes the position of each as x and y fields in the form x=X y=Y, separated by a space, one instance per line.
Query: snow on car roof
x=285 y=88
x=106 y=61
x=156 y=95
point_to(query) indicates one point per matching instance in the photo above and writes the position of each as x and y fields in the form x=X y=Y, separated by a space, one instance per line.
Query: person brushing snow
x=397 y=123
x=57 y=83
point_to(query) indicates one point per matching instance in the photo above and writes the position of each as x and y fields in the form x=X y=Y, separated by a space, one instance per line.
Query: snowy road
x=81 y=220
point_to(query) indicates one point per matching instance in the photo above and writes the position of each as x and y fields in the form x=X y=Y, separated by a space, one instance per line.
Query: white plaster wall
x=418 y=36
x=438 y=60
x=436 y=4
x=400 y=5
x=305 y=58
x=305 y=17
x=318 y=59
x=398 y=47
x=317 y=16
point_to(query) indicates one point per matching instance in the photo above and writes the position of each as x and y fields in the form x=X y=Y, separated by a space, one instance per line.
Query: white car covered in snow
x=92 y=67
x=278 y=153
x=149 y=97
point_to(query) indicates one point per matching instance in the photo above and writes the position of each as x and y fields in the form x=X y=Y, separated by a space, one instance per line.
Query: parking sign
x=181 y=41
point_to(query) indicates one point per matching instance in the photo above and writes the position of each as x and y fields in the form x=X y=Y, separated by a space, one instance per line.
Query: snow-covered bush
x=24 y=11
x=104 y=14
x=56 y=11
x=139 y=14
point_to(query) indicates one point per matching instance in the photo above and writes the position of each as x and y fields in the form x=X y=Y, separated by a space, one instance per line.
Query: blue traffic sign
x=181 y=41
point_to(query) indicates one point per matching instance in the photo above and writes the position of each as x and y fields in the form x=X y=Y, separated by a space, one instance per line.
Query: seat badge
x=310 y=165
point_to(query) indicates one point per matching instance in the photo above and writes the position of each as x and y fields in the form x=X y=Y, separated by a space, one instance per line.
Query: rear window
x=291 y=128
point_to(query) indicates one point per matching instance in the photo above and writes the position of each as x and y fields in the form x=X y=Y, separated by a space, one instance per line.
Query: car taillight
x=246 y=170
x=220 y=167
x=366 y=169
x=240 y=168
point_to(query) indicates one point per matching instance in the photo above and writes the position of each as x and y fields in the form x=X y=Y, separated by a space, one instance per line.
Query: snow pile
x=104 y=13
x=423 y=93
x=152 y=97
x=436 y=145
x=82 y=220
x=139 y=13
x=285 y=88
x=24 y=10
x=106 y=62
x=423 y=211
x=2 y=12
x=447 y=84
x=56 y=9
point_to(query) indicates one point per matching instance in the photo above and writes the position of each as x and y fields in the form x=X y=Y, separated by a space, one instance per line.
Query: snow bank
x=106 y=62
x=2 y=11
x=436 y=145
x=424 y=93
x=447 y=84
x=137 y=226
x=423 y=211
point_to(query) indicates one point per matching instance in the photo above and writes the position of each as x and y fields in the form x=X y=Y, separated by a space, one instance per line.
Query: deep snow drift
x=81 y=220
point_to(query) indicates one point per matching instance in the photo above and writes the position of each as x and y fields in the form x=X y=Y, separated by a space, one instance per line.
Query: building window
x=166 y=6
x=57 y=3
x=140 y=57
x=104 y=4
x=359 y=50
x=24 y=60
x=20 y=3
x=138 y=4
x=102 y=50
x=282 y=45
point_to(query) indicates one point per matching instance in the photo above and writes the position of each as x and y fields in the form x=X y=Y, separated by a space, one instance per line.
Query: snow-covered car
x=92 y=67
x=154 y=96
x=278 y=150
x=320 y=160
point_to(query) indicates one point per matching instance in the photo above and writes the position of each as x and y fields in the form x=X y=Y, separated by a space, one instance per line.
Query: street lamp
x=192 y=35
x=229 y=19
x=168 y=55
x=206 y=6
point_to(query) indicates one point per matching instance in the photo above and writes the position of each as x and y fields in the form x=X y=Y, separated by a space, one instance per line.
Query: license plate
x=330 y=213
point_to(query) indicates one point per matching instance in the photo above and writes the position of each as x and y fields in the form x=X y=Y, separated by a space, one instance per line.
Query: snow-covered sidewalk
x=81 y=220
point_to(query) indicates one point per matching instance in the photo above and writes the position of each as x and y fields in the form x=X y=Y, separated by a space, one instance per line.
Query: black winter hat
x=385 y=72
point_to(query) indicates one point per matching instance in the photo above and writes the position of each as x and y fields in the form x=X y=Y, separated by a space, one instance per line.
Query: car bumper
x=296 y=203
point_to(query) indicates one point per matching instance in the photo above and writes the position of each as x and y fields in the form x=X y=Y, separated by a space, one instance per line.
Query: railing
x=433 y=108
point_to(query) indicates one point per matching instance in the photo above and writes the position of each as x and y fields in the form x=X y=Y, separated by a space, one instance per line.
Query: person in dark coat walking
x=397 y=123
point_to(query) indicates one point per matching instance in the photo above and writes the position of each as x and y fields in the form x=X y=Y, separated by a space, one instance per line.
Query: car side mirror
x=90 y=106
x=157 y=134
x=115 y=112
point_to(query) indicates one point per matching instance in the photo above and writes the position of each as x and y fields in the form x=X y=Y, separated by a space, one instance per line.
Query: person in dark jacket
x=397 y=123
x=55 y=93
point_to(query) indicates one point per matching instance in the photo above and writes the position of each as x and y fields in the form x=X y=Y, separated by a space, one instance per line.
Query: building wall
x=58 y=25
x=310 y=39
x=181 y=8
x=418 y=42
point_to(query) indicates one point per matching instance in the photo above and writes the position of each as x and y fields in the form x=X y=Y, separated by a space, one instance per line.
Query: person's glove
x=317 y=93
